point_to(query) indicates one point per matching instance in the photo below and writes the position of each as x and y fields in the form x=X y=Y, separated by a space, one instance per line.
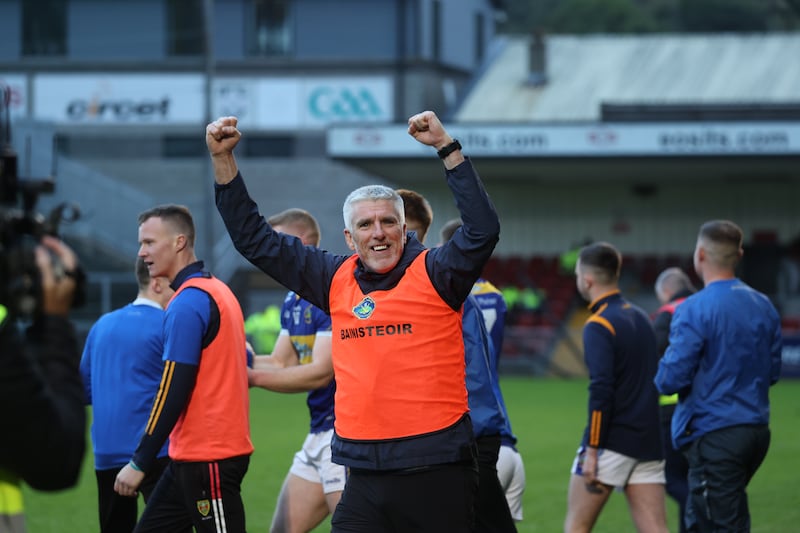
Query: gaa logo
x=345 y=103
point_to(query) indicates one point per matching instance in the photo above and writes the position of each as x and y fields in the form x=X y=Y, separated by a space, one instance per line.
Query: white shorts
x=620 y=470
x=511 y=473
x=313 y=463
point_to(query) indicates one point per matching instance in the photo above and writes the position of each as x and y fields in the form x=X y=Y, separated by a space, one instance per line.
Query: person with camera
x=41 y=393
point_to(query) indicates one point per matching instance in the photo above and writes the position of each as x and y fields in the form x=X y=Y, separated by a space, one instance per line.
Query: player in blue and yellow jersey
x=486 y=405
x=202 y=402
x=301 y=361
x=402 y=421
x=510 y=467
x=621 y=445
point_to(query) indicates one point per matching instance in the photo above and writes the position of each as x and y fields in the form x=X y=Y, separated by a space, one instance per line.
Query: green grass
x=548 y=417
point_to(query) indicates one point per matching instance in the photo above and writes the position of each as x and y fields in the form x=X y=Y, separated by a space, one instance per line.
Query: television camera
x=21 y=228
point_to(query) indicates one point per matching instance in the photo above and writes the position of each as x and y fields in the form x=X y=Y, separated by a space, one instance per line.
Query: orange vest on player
x=215 y=423
x=398 y=357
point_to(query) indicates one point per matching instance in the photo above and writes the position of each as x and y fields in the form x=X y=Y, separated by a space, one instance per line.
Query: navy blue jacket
x=485 y=408
x=453 y=268
x=620 y=351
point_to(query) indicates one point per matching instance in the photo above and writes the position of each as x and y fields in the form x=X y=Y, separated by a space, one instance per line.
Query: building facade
x=113 y=98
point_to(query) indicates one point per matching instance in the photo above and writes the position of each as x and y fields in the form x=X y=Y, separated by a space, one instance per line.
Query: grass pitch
x=548 y=416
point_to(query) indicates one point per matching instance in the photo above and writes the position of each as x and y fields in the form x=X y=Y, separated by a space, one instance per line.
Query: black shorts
x=206 y=496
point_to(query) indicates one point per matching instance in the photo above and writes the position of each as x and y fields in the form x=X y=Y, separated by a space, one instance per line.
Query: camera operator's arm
x=40 y=386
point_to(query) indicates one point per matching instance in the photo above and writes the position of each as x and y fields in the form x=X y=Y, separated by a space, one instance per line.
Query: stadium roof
x=583 y=72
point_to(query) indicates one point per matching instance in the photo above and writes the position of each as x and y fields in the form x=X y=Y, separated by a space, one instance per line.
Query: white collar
x=146 y=301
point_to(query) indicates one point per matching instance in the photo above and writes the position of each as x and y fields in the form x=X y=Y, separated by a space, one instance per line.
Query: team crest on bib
x=203 y=506
x=365 y=308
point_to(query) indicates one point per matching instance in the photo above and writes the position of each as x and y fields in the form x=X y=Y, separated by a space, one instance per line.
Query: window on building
x=269 y=146
x=44 y=27
x=436 y=29
x=480 y=37
x=182 y=146
x=185 y=28
x=269 y=32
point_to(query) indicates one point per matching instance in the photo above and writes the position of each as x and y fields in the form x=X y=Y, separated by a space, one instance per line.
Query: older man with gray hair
x=402 y=423
x=672 y=287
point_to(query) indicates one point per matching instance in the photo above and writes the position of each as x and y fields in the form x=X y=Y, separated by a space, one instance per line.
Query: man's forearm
x=225 y=167
x=292 y=379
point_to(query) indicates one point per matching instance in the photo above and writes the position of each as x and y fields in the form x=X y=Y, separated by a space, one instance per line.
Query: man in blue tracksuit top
x=121 y=368
x=724 y=353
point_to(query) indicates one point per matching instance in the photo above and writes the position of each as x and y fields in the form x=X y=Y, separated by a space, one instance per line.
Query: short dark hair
x=178 y=216
x=416 y=207
x=295 y=216
x=604 y=259
x=722 y=232
x=723 y=241
x=449 y=229
x=142 y=273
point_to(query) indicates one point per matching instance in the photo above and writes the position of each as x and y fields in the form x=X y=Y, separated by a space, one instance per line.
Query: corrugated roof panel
x=584 y=71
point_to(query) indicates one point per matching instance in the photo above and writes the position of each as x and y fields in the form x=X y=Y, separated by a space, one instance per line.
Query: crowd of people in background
x=398 y=348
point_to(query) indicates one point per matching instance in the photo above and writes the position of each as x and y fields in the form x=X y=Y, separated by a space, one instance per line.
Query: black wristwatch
x=449 y=149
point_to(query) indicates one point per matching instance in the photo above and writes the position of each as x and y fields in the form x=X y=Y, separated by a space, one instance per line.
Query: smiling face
x=159 y=245
x=378 y=235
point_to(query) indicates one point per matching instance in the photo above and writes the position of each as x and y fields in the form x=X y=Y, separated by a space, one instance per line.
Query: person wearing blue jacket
x=489 y=420
x=486 y=405
x=724 y=353
x=121 y=368
x=510 y=466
